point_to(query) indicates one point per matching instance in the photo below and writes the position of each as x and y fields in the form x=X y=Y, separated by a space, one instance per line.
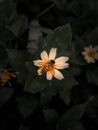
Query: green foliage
x=65 y=95
x=5 y=94
x=91 y=109
x=59 y=38
x=70 y=27
x=70 y=119
x=3 y=55
x=50 y=115
x=92 y=75
x=22 y=127
x=11 y=24
x=27 y=104
x=35 y=84
x=78 y=126
x=17 y=59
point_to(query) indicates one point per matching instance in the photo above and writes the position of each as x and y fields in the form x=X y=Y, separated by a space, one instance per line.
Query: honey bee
x=47 y=66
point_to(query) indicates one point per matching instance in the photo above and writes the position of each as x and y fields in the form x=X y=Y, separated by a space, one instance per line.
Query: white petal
x=52 y=53
x=49 y=76
x=62 y=65
x=44 y=55
x=36 y=62
x=90 y=46
x=58 y=75
x=90 y=61
x=39 y=72
x=61 y=59
x=83 y=53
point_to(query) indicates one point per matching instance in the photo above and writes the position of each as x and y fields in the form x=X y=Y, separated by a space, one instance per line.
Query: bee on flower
x=49 y=64
x=5 y=76
x=90 y=54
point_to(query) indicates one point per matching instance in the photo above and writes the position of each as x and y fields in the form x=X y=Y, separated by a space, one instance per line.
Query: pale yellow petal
x=90 y=60
x=44 y=55
x=85 y=48
x=37 y=62
x=61 y=59
x=58 y=75
x=84 y=53
x=49 y=76
x=90 y=46
x=62 y=65
x=39 y=71
x=52 y=53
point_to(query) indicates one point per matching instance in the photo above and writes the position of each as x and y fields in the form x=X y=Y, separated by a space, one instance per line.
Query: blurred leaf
x=65 y=95
x=3 y=56
x=35 y=84
x=78 y=126
x=17 y=59
x=27 y=104
x=7 y=11
x=6 y=33
x=60 y=4
x=92 y=107
x=30 y=66
x=67 y=83
x=49 y=92
x=92 y=37
x=16 y=28
x=22 y=127
x=80 y=8
x=70 y=118
x=76 y=56
x=50 y=115
x=7 y=15
x=46 y=30
x=5 y=94
x=19 y=26
x=92 y=75
x=46 y=97
x=75 y=70
x=11 y=24
x=59 y=38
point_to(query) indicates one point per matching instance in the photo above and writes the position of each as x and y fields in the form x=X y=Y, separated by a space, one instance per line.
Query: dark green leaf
x=17 y=59
x=92 y=107
x=70 y=118
x=3 y=56
x=27 y=104
x=22 y=127
x=92 y=75
x=78 y=126
x=50 y=115
x=75 y=70
x=35 y=83
x=5 y=94
x=59 y=38
x=65 y=95
x=19 y=25
x=92 y=37
x=67 y=83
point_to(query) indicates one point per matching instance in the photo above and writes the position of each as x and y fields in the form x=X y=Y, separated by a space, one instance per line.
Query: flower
x=49 y=65
x=90 y=54
x=5 y=76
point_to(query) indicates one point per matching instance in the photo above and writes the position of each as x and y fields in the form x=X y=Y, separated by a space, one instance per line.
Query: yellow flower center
x=92 y=54
x=48 y=66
